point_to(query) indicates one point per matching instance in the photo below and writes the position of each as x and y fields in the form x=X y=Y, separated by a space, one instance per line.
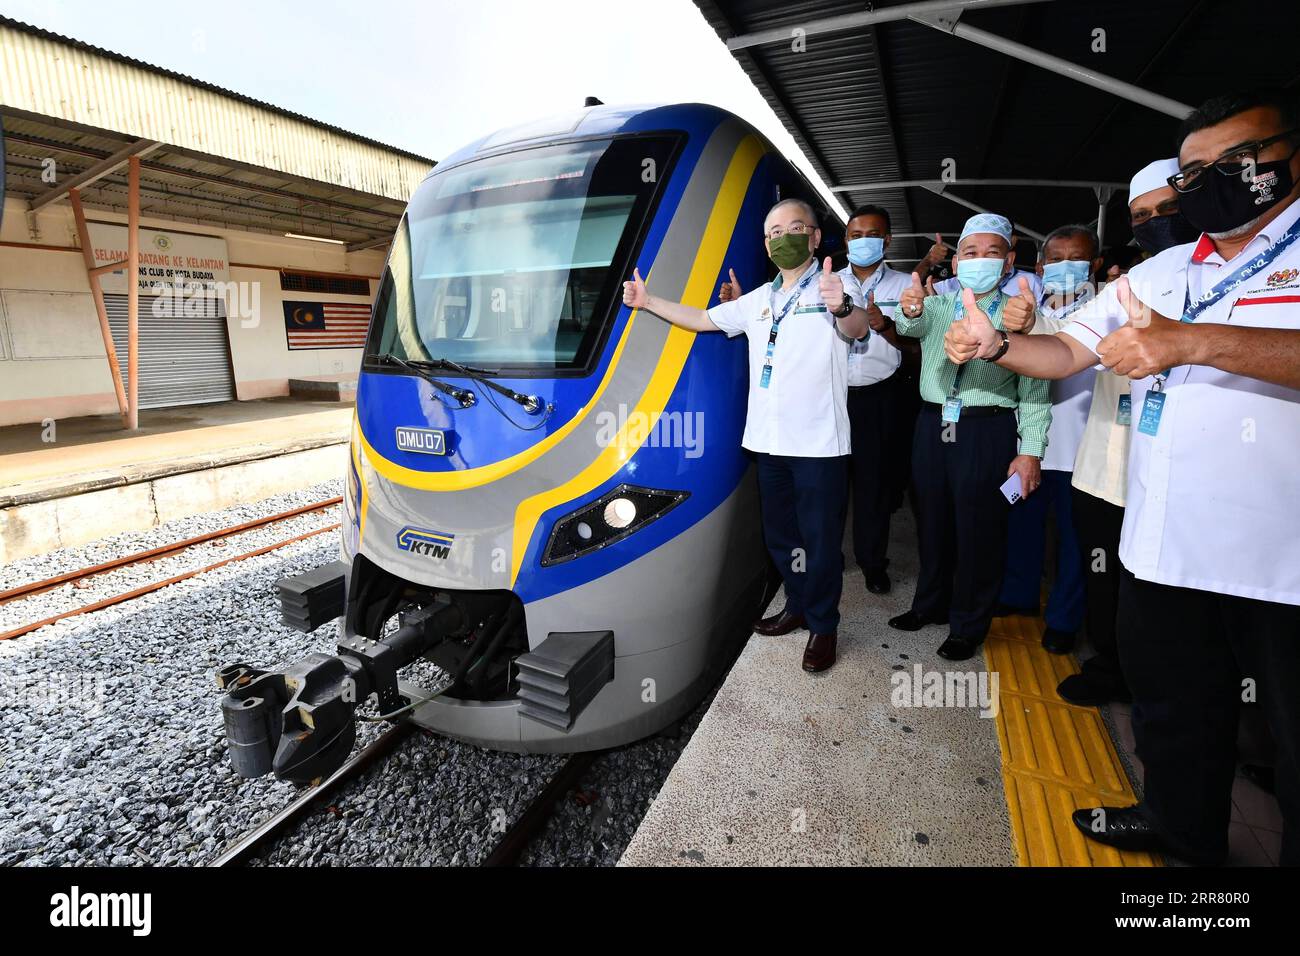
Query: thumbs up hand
x=634 y=293
x=875 y=318
x=730 y=291
x=938 y=252
x=972 y=335
x=831 y=287
x=1020 y=311
x=913 y=298
x=1147 y=344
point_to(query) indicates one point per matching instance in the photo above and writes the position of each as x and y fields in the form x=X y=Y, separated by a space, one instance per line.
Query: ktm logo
x=429 y=544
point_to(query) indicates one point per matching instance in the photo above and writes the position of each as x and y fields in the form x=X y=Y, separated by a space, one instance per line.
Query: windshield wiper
x=462 y=395
x=531 y=403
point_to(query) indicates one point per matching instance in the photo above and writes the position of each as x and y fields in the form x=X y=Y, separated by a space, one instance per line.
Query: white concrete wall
x=56 y=368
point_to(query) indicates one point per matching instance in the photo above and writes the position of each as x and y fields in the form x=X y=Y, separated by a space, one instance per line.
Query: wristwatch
x=1002 y=349
x=845 y=307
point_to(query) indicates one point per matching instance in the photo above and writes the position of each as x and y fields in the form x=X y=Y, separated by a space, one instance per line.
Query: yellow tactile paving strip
x=1056 y=757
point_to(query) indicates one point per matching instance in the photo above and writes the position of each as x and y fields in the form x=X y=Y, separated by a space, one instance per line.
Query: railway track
x=263 y=837
x=34 y=588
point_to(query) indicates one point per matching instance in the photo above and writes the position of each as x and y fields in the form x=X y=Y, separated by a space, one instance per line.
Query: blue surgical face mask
x=866 y=251
x=980 y=275
x=1066 y=275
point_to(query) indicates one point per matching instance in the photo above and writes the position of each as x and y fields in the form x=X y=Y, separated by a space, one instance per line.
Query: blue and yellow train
x=547 y=497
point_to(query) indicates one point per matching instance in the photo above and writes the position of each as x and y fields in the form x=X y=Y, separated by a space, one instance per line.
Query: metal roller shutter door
x=184 y=360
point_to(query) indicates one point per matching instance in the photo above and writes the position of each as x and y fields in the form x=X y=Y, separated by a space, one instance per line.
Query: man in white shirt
x=1071 y=256
x=799 y=329
x=1209 y=332
x=875 y=402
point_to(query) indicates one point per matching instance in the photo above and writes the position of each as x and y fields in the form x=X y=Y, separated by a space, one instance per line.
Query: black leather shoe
x=819 y=655
x=958 y=648
x=909 y=621
x=1087 y=690
x=877 y=581
x=1010 y=610
x=779 y=624
x=1127 y=828
x=1058 y=642
x=1124 y=828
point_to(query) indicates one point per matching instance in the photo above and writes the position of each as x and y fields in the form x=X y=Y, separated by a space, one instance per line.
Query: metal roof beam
x=940 y=184
x=140 y=147
x=368 y=244
x=941 y=190
x=865 y=18
x=946 y=23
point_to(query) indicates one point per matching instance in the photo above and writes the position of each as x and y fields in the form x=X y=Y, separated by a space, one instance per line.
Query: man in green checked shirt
x=976 y=429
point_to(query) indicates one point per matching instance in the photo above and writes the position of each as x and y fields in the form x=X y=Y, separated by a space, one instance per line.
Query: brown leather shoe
x=819 y=655
x=779 y=624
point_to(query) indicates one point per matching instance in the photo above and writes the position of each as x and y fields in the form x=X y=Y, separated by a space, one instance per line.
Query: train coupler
x=300 y=723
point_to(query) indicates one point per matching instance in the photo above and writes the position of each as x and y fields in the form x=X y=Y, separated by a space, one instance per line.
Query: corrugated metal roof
x=186 y=187
x=896 y=100
x=47 y=75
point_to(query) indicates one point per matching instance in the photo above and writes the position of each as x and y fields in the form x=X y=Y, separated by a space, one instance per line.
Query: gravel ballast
x=112 y=750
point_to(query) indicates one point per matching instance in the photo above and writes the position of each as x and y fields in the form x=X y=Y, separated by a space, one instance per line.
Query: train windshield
x=517 y=261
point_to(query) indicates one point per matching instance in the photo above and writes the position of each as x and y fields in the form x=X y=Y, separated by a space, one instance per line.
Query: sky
x=428 y=76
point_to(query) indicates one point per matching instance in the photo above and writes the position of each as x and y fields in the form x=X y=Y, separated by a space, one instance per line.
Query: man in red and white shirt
x=1209 y=333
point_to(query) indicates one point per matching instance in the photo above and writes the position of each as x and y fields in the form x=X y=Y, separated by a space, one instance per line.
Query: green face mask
x=789 y=250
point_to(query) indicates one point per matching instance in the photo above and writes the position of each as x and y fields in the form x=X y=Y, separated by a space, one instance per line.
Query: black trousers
x=908 y=404
x=1097 y=524
x=873 y=419
x=961 y=516
x=802 y=500
x=1189 y=657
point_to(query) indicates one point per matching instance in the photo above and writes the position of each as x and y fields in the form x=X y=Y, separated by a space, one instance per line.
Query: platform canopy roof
x=209 y=155
x=1035 y=108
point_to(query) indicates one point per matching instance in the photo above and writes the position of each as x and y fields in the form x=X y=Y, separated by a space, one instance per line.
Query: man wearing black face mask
x=1153 y=209
x=1209 y=604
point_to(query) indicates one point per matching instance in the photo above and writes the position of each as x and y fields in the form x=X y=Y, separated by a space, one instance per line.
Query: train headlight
x=606 y=520
x=620 y=513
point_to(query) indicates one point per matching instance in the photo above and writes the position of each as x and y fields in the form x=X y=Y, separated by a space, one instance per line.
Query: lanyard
x=875 y=281
x=1078 y=303
x=1232 y=283
x=961 y=310
x=776 y=323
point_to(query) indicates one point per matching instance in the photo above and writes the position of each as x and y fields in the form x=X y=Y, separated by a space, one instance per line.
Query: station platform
x=856 y=766
x=84 y=478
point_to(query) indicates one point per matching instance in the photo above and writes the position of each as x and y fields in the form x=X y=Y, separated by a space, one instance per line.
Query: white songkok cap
x=1152 y=176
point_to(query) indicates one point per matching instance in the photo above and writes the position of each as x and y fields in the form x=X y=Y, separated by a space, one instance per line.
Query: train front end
x=546 y=502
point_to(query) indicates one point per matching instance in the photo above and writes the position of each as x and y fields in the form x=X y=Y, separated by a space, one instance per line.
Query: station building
x=259 y=237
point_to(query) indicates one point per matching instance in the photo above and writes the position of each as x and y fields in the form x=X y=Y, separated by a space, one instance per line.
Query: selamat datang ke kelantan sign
x=166 y=259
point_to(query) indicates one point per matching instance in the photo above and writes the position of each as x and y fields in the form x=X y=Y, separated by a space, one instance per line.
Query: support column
x=1103 y=197
x=133 y=295
x=97 y=293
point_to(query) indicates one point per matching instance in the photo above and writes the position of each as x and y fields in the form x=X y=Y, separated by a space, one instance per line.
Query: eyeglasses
x=796 y=228
x=1238 y=161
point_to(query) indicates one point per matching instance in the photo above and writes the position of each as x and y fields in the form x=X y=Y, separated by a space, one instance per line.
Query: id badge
x=766 y=378
x=952 y=409
x=1152 y=408
x=1124 y=414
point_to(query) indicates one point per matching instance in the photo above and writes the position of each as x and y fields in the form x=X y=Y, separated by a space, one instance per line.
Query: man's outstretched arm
x=1036 y=356
x=685 y=316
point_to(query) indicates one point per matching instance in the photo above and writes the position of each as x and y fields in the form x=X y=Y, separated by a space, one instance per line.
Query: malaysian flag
x=325 y=325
